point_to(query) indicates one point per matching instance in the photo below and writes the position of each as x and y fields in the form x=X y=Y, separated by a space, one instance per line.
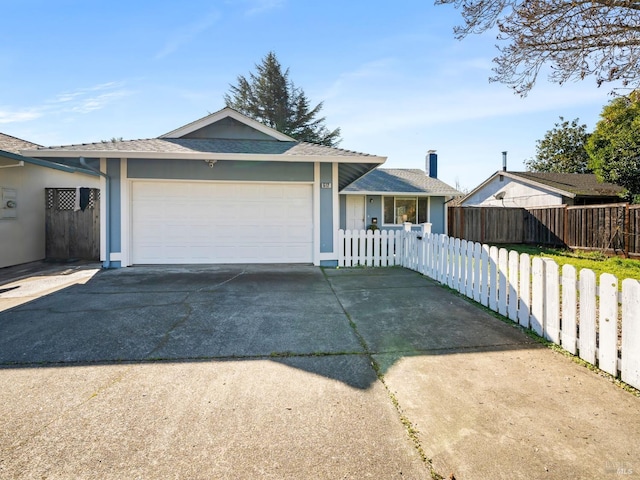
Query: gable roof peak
x=226 y=112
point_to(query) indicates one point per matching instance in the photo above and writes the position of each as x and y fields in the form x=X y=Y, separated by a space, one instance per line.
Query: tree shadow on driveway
x=289 y=313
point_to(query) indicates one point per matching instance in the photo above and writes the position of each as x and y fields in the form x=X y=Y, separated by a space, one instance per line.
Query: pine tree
x=270 y=97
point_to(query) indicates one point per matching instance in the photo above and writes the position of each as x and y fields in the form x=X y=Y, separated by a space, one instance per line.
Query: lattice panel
x=50 y=200
x=66 y=198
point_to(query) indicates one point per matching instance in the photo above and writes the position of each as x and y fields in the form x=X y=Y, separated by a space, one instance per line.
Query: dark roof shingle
x=580 y=184
x=401 y=180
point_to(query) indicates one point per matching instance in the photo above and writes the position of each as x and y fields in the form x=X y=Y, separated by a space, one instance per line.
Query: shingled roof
x=14 y=144
x=579 y=184
x=218 y=145
x=399 y=181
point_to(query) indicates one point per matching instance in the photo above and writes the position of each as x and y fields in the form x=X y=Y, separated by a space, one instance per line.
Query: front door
x=355 y=212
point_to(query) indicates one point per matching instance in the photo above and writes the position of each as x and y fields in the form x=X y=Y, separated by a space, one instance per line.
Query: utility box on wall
x=9 y=205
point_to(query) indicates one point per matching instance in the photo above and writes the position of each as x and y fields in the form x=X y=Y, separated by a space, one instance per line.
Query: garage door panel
x=181 y=222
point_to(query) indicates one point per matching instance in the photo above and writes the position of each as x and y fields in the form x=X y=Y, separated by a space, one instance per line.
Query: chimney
x=504 y=161
x=431 y=166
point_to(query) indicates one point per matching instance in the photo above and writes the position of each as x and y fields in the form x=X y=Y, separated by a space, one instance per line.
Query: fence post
x=626 y=233
x=565 y=225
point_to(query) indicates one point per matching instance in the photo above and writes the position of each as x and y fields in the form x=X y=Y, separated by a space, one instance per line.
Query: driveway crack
x=409 y=426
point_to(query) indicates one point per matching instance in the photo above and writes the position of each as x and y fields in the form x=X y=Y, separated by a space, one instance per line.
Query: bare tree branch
x=576 y=39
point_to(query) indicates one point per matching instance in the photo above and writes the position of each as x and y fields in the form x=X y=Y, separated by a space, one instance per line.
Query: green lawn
x=620 y=267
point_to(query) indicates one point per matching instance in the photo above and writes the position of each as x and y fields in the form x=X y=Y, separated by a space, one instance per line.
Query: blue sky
x=391 y=75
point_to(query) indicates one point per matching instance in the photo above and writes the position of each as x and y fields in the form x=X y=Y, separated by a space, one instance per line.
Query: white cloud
x=16 y=116
x=186 y=34
x=98 y=102
x=260 y=6
x=82 y=100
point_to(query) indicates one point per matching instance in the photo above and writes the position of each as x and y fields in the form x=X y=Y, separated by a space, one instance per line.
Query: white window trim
x=417 y=197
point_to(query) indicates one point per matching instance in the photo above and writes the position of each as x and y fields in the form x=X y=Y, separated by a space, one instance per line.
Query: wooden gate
x=72 y=232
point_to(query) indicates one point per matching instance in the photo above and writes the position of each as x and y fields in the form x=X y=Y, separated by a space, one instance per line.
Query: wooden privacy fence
x=612 y=228
x=72 y=233
x=568 y=308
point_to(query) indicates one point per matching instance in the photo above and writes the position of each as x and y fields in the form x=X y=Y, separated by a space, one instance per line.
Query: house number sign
x=325 y=185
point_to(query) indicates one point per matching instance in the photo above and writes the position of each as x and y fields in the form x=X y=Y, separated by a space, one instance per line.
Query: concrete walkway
x=293 y=372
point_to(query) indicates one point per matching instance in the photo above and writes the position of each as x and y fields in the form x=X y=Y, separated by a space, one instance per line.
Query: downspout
x=107 y=261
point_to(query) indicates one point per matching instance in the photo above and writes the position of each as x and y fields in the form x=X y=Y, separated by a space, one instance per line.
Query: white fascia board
x=253 y=157
x=533 y=183
x=398 y=194
x=224 y=113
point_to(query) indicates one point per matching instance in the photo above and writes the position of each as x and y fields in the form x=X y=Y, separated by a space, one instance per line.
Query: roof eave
x=46 y=164
x=205 y=156
x=397 y=193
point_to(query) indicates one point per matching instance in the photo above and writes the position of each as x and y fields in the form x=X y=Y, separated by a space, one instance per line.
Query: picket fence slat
x=469 y=267
x=524 y=292
x=514 y=271
x=567 y=308
x=484 y=282
x=608 y=324
x=493 y=278
x=477 y=279
x=569 y=336
x=587 y=328
x=537 y=295
x=551 y=302
x=630 y=332
x=503 y=265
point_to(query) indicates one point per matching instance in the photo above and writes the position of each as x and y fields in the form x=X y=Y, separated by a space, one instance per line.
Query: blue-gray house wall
x=326 y=207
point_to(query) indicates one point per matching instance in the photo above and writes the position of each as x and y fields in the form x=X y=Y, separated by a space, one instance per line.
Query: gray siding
x=437 y=214
x=222 y=170
x=115 y=203
x=229 y=128
x=326 y=208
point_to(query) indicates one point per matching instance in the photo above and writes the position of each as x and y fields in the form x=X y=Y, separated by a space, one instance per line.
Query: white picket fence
x=568 y=308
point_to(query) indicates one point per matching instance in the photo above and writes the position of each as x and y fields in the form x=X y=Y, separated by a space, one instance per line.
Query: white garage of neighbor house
x=222 y=189
x=22 y=199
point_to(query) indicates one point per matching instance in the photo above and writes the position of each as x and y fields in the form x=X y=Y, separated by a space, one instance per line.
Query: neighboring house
x=222 y=189
x=541 y=189
x=388 y=198
x=22 y=195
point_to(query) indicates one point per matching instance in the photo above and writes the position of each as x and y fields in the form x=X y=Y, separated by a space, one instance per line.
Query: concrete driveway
x=293 y=372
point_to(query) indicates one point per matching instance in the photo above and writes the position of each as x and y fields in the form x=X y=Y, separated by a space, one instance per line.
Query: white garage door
x=201 y=222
